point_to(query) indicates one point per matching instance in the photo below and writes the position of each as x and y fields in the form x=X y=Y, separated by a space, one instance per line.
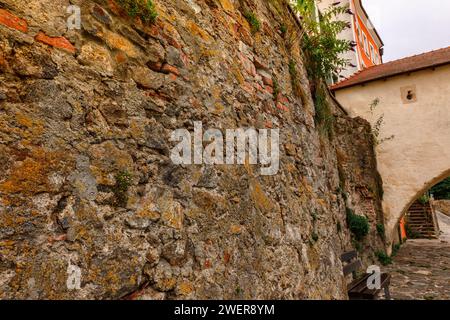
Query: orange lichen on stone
x=197 y=31
x=116 y=41
x=174 y=218
x=148 y=209
x=167 y=284
x=22 y=125
x=185 y=288
x=11 y=220
x=31 y=176
x=23 y=120
x=236 y=229
x=227 y=5
x=259 y=197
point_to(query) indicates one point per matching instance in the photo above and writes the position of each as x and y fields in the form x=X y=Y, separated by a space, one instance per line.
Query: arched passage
x=418 y=154
x=399 y=196
x=428 y=186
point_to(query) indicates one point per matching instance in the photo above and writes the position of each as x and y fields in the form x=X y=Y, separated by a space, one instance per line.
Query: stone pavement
x=421 y=269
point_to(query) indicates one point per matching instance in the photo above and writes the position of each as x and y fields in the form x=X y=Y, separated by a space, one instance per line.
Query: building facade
x=369 y=46
x=412 y=115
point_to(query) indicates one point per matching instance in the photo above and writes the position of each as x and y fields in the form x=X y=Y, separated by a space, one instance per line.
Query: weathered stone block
x=57 y=42
x=11 y=21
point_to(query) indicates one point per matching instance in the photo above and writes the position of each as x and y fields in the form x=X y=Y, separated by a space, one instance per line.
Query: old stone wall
x=86 y=182
x=360 y=183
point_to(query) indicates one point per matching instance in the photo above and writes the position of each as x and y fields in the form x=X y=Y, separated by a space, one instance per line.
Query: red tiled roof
x=389 y=69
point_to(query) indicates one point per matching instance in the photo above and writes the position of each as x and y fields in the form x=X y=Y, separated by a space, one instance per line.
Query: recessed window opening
x=410 y=95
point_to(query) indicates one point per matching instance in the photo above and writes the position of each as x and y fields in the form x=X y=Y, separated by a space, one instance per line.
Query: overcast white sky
x=410 y=27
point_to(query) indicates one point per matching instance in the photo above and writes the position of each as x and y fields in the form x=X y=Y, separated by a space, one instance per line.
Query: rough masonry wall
x=360 y=182
x=82 y=110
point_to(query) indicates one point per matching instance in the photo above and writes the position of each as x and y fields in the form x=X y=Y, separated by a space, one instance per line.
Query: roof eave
x=344 y=86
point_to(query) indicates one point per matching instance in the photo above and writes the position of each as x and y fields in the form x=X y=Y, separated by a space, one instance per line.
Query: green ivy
x=395 y=249
x=357 y=245
x=253 y=20
x=381 y=230
x=324 y=117
x=383 y=258
x=358 y=225
x=144 y=9
x=320 y=42
x=424 y=199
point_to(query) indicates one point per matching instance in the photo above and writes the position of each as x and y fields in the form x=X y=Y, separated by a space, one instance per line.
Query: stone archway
x=418 y=156
x=427 y=187
x=397 y=201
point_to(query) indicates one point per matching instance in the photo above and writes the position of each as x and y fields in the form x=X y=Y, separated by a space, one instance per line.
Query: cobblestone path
x=421 y=270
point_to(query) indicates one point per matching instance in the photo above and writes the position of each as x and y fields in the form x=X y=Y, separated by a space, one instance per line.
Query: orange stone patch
x=57 y=42
x=12 y=21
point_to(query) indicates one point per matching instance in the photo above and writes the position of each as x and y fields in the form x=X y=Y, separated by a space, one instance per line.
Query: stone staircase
x=420 y=221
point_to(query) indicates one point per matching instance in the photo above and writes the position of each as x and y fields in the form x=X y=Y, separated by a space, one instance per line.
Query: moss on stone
x=380 y=230
x=357 y=224
x=253 y=20
x=144 y=9
x=383 y=258
x=123 y=182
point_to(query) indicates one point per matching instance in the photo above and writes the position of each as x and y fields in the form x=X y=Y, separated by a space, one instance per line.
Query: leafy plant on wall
x=376 y=127
x=144 y=9
x=322 y=51
x=320 y=43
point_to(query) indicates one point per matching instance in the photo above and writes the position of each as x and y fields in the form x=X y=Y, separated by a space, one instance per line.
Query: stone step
x=418 y=212
x=423 y=233
x=423 y=228
x=424 y=223
x=419 y=221
x=417 y=217
x=426 y=237
x=419 y=208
